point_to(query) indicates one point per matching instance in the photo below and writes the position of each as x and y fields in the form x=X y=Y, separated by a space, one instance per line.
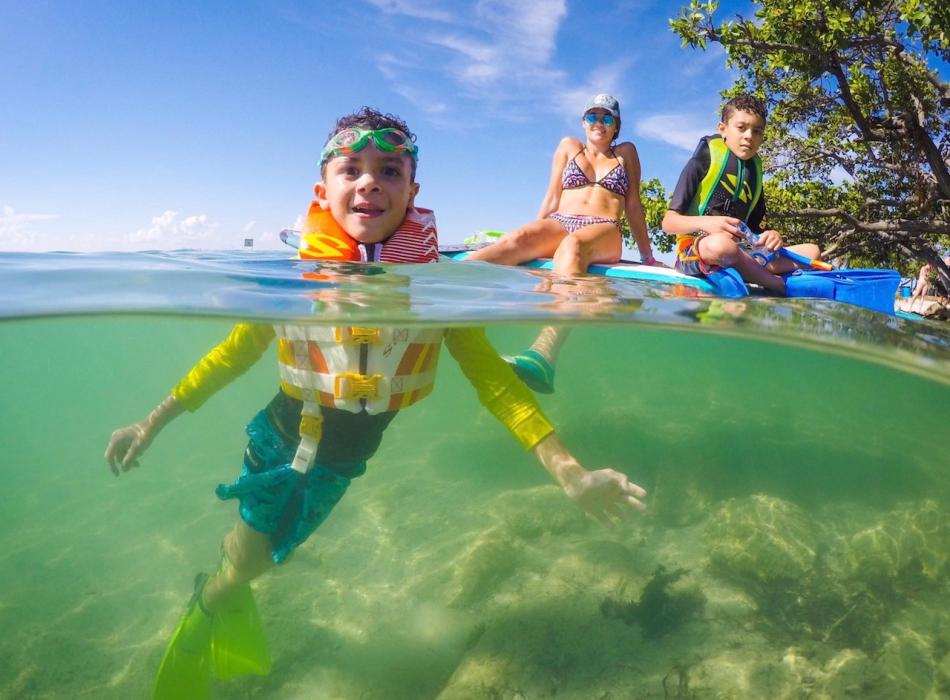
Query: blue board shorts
x=689 y=262
x=288 y=506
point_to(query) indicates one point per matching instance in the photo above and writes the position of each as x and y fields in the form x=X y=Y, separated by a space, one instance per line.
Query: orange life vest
x=355 y=368
x=415 y=241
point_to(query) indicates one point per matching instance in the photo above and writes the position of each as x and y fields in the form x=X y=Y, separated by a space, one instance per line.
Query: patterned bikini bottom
x=573 y=222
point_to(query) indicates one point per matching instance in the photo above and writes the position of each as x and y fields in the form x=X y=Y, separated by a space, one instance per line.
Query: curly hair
x=369 y=118
x=745 y=103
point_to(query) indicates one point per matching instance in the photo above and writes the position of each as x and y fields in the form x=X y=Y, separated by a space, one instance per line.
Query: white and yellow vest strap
x=311 y=429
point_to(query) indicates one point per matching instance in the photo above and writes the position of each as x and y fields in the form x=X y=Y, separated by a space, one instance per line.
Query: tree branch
x=850 y=103
x=935 y=159
x=908 y=226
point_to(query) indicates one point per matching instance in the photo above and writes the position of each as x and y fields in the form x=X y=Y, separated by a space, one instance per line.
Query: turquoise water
x=795 y=455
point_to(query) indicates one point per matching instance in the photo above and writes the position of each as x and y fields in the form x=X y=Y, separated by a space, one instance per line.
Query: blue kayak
x=868 y=288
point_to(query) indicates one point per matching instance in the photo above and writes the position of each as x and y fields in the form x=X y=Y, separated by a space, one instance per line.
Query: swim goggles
x=607 y=119
x=349 y=141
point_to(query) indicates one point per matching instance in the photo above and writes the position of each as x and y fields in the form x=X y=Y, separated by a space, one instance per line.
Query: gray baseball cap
x=603 y=101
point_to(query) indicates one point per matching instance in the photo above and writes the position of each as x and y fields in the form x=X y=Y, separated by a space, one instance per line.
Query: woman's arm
x=632 y=204
x=552 y=197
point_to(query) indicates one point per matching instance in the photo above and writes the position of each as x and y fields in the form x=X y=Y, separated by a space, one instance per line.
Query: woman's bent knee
x=570 y=247
x=571 y=256
x=526 y=237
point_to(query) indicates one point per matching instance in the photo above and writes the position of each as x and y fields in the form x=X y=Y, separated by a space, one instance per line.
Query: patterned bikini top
x=616 y=180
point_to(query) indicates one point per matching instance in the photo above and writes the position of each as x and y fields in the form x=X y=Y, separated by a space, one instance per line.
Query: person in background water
x=339 y=390
x=592 y=185
x=718 y=191
x=922 y=288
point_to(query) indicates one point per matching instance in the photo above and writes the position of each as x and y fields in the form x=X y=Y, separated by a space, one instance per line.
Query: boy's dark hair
x=745 y=103
x=369 y=118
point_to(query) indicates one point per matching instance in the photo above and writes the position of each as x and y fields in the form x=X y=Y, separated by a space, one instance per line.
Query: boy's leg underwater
x=221 y=631
x=185 y=671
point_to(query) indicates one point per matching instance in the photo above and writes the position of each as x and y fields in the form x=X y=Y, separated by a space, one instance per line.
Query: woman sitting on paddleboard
x=592 y=184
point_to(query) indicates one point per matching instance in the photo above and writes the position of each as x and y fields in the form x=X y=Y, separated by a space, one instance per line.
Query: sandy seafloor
x=798 y=501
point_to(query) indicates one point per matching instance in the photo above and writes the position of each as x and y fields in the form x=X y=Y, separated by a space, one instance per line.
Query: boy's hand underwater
x=126 y=444
x=605 y=493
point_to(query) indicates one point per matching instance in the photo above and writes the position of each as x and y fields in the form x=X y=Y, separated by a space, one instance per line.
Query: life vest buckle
x=356 y=335
x=356 y=386
x=311 y=426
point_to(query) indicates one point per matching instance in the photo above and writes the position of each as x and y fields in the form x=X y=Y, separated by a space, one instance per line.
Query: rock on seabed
x=762 y=538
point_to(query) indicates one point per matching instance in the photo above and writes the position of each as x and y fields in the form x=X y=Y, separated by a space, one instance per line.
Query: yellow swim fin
x=238 y=645
x=185 y=671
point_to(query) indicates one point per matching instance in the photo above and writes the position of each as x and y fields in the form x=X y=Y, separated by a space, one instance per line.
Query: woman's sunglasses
x=606 y=119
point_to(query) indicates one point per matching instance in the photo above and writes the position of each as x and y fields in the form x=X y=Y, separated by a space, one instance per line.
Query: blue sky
x=129 y=125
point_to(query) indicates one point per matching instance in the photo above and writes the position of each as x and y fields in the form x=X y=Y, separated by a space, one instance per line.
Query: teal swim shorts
x=284 y=504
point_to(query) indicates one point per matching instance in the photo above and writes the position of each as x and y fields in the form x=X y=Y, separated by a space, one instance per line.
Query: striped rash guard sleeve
x=499 y=390
x=226 y=362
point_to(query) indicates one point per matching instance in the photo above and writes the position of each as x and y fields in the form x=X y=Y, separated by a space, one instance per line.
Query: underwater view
x=795 y=541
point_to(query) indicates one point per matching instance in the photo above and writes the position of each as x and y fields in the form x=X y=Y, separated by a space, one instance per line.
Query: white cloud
x=497 y=53
x=477 y=62
x=418 y=10
x=701 y=63
x=17 y=231
x=569 y=101
x=674 y=129
x=519 y=41
x=168 y=231
x=422 y=99
x=532 y=25
x=270 y=240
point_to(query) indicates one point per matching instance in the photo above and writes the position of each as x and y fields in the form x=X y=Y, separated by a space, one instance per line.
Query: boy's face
x=368 y=192
x=743 y=133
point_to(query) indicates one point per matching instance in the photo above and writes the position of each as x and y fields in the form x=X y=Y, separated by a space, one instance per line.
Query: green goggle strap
x=334 y=148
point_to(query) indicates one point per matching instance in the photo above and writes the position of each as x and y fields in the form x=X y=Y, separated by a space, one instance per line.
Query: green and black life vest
x=731 y=186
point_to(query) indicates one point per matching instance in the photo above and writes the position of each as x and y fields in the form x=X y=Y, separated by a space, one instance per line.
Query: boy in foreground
x=719 y=190
x=340 y=389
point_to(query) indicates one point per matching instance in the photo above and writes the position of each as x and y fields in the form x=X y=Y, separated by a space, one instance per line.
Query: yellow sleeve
x=228 y=360
x=499 y=390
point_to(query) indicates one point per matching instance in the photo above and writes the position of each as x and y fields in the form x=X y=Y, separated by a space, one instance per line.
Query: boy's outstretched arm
x=126 y=444
x=605 y=493
x=228 y=360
